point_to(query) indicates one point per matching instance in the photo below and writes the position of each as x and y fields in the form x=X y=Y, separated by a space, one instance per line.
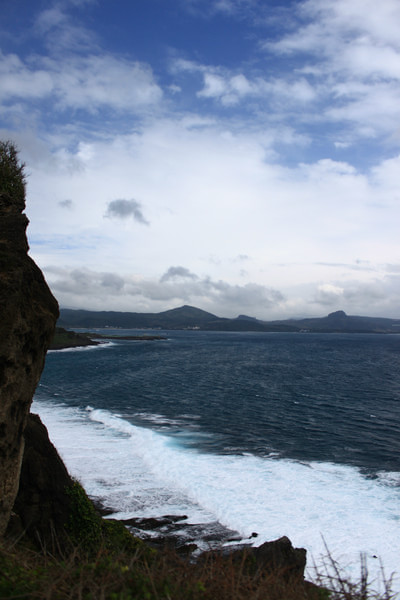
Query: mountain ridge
x=190 y=317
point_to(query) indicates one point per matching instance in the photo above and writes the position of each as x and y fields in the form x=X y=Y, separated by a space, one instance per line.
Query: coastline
x=64 y=339
x=174 y=531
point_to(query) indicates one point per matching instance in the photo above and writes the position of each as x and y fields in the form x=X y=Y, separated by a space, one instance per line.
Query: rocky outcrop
x=28 y=315
x=278 y=559
x=279 y=556
x=42 y=508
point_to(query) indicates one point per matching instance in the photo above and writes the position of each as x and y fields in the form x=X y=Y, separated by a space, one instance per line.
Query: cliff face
x=28 y=314
x=42 y=508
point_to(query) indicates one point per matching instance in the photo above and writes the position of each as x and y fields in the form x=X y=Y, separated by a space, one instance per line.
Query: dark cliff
x=43 y=504
x=28 y=314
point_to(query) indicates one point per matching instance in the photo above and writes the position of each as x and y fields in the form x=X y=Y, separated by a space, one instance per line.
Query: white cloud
x=76 y=73
x=227 y=7
x=214 y=86
x=100 y=81
x=209 y=182
x=18 y=80
x=351 y=50
x=231 y=6
x=208 y=193
x=74 y=286
x=329 y=295
x=61 y=33
x=88 y=83
x=335 y=26
x=363 y=298
x=380 y=21
x=50 y=18
x=97 y=290
x=385 y=177
x=232 y=88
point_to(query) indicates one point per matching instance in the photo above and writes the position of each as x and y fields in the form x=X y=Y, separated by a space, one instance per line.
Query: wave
x=84 y=348
x=141 y=472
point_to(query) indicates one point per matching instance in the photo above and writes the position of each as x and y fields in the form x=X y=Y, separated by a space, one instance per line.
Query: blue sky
x=241 y=156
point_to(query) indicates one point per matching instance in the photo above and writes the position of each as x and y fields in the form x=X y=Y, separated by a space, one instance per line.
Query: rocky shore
x=64 y=338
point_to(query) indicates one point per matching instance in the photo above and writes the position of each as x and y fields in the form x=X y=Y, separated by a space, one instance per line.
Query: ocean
x=268 y=433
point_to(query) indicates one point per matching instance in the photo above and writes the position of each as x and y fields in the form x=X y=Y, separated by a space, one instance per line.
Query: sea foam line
x=309 y=503
x=83 y=348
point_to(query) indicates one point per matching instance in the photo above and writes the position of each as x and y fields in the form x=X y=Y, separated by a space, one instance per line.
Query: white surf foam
x=84 y=348
x=140 y=472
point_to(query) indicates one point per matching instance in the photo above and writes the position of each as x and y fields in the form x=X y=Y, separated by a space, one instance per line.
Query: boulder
x=278 y=557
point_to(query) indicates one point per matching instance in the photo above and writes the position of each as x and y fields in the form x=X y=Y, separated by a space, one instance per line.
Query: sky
x=240 y=156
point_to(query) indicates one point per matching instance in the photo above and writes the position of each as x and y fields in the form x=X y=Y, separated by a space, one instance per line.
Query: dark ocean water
x=228 y=423
x=309 y=397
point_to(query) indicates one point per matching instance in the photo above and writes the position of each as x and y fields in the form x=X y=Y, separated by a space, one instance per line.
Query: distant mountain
x=189 y=317
x=246 y=318
x=177 y=318
x=340 y=322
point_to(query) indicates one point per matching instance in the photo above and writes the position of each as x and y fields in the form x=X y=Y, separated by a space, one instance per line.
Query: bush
x=12 y=171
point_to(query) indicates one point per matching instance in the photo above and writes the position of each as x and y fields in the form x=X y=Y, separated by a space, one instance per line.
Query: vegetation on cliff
x=12 y=171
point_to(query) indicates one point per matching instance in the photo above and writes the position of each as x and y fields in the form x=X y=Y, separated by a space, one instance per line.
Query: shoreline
x=175 y=532
x=64 y=339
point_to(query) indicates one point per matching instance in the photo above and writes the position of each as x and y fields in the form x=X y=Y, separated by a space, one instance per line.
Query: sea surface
x=268 y=433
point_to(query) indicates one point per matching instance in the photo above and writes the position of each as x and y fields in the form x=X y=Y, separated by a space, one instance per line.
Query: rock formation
x=280 y=557
x=42 y=507
x=52 y=512
x=28 y=316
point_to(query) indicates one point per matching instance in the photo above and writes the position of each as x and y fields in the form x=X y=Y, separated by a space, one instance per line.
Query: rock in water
x=28 y=314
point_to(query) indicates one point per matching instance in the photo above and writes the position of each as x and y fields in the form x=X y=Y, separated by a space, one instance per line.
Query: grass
x=138 y=574
x=123 y=570
x=103 y=561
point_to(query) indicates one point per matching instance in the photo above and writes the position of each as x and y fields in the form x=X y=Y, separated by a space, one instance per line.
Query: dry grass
x=331 y=577
x=141 y=573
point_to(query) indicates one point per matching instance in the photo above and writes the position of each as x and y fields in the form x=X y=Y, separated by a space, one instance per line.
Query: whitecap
x=141 y=472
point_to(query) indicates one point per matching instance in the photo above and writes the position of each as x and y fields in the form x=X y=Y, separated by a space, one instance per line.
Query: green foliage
x=12 y=171
x=13 y=579
x=116 y=538
x=84 y=525
x=88 y=531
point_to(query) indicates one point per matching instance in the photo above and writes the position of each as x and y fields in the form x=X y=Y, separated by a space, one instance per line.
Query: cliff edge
x=28 y=316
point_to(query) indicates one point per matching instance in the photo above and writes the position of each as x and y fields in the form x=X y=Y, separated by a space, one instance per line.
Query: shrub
x=12 y=171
